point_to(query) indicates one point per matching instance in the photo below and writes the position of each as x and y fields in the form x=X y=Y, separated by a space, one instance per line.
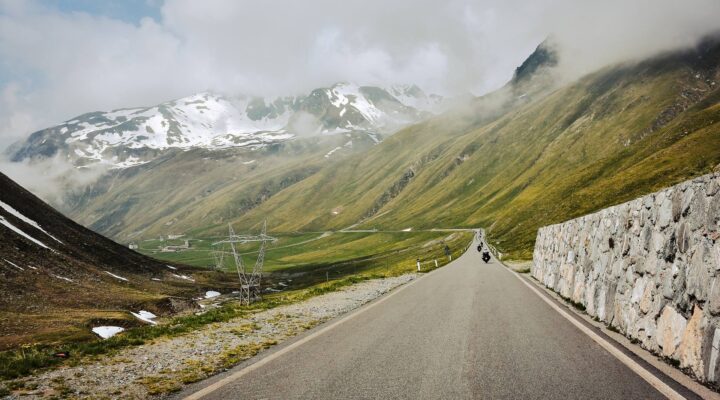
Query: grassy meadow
x=307 y=258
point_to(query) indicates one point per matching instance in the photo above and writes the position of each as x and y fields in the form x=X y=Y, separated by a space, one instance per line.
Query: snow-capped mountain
x=133 y=136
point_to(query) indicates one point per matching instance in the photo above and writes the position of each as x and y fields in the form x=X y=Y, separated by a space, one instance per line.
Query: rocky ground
x=164 y=365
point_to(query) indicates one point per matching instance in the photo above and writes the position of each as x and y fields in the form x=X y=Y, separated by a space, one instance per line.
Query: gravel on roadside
x=164 y=365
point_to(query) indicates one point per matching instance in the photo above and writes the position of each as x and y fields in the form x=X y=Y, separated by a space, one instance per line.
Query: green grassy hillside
x=609 y=137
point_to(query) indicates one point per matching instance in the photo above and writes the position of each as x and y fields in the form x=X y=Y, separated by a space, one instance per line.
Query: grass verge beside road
x=310 y=279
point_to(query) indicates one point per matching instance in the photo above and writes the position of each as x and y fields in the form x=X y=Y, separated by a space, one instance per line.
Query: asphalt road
x=469 y=330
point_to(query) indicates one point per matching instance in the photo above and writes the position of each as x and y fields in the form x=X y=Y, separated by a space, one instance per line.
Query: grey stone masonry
x=650 y=268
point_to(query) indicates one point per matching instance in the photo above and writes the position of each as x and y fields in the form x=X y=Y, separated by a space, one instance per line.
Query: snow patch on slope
x=349 y=94
x=14 y=265
x=64 y=278
x=106 y=332
x=185 y=277
x=20 y=232
x=116 y=276
x=330 y=153
x=26 y=220
x=145 y=316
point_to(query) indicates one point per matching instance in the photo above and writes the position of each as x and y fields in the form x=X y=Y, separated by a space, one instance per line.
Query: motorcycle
x=486 y=257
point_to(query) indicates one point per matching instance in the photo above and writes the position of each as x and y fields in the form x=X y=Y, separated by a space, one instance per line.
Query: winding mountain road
x=469 y=330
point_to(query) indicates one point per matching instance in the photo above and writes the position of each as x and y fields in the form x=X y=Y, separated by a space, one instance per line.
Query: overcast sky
x=59 y=59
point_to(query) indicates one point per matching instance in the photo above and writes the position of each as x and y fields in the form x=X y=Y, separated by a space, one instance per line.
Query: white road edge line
x=653 y=380
x=234 y=376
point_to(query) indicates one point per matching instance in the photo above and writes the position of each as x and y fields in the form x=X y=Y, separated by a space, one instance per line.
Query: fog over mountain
x=86 y=61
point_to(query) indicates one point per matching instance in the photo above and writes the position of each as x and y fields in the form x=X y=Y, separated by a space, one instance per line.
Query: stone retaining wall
x=649 y=267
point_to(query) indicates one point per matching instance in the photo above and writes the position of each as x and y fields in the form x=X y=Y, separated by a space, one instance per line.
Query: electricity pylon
x=249 y=279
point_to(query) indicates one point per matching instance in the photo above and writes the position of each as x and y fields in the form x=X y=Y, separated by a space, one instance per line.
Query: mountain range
x=133 y=136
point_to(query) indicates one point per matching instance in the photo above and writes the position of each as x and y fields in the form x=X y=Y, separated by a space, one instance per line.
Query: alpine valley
x=340 y=200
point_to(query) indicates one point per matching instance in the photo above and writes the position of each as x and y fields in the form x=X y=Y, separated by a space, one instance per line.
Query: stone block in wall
x=714 y=297
x=711 y=354
x=670 y=328
x=690 y=349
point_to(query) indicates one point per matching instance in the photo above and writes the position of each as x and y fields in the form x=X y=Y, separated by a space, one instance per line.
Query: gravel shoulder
x=164 y=365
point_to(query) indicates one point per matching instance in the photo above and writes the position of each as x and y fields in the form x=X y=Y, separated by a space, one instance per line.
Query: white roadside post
x=418 y=264
x=436 y=264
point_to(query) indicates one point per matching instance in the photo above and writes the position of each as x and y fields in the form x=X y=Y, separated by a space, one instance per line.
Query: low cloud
x=304 y=124
x=52 y=179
